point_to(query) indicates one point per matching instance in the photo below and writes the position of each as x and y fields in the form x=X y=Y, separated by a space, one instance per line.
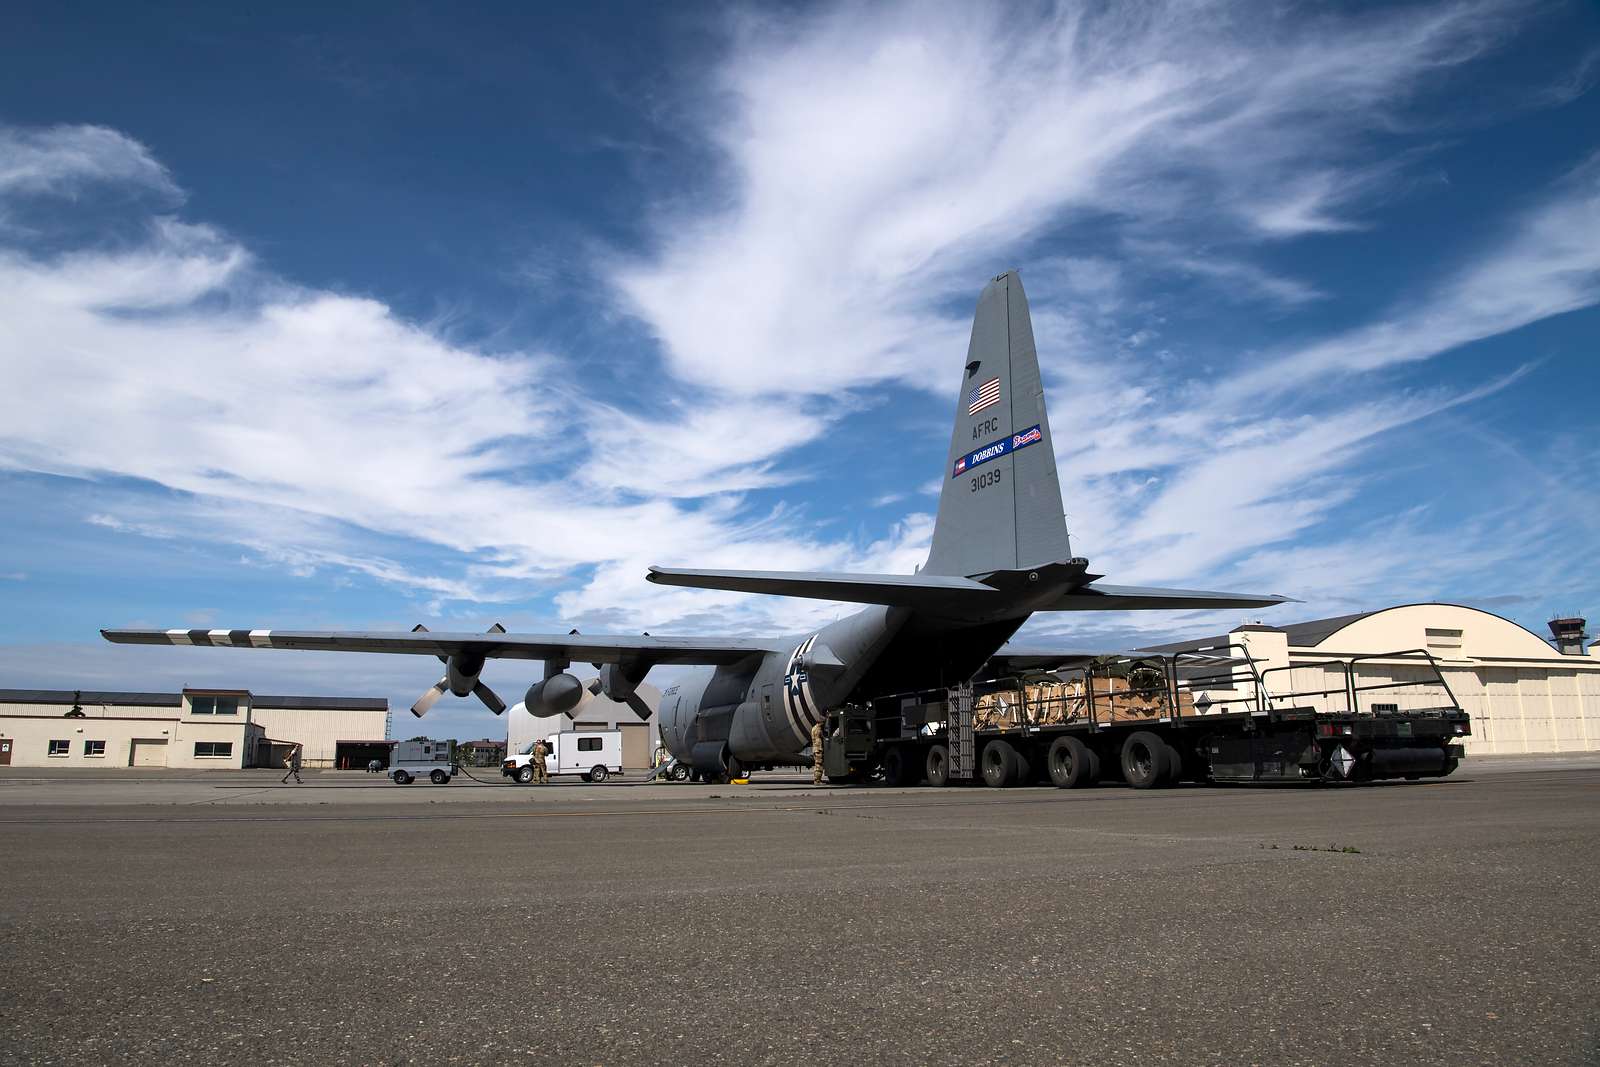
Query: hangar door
x=147 y=752
x=635 y=744
x=635 y=740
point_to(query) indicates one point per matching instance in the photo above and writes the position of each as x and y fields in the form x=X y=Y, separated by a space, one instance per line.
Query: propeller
x=456 y=677
x=618 y=682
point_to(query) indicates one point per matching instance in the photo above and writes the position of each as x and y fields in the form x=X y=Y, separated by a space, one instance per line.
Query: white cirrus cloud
x=876 y=160
x=64 y=160
x=1546 y=263
x=310 y=427
x=875 y=164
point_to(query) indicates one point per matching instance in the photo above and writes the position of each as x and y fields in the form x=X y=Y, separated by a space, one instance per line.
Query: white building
x=199 y=728
x=639 y=739
x=1522 y=693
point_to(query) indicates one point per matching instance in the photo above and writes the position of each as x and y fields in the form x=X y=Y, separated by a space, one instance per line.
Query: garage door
x=148 y=752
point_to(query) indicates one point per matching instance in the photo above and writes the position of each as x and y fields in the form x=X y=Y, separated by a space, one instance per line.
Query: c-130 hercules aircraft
x=1000 y=553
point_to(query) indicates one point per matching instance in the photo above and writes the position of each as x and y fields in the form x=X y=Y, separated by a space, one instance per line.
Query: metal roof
x=1307 y=634
x=1301 y=634
x=1313 y=632
x=88 y=696
x=173 y=700
x=323 y=703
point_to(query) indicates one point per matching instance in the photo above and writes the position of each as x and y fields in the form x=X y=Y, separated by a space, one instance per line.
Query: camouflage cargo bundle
x=1037 y=703
x=1123 y=691
x=997 y=711
x=1054 y=702
x=1139 y=691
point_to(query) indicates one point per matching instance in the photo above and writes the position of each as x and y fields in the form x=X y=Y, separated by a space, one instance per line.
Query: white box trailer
x=593 y=754
x=423 y=759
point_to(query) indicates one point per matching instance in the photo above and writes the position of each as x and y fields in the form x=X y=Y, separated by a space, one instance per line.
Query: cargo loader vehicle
x=1204 y=715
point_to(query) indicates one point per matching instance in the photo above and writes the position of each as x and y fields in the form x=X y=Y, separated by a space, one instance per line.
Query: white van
x=594 y=754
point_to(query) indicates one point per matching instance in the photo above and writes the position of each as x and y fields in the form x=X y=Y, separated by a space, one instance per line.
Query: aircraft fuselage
x=761 y=710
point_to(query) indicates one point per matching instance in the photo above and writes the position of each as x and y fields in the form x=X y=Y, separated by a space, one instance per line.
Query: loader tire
x=1174 y=765
x=1072 y=764
x=998 y=763
x=901 y=767
x=1144 y=760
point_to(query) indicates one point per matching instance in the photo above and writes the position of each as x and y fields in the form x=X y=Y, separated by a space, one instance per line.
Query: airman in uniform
x=291 y=763
x=816 y=753
x=540 y=773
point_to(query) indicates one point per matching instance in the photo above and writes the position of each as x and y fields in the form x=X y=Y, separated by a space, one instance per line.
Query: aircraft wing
x=1133 y=598
x=577 y=648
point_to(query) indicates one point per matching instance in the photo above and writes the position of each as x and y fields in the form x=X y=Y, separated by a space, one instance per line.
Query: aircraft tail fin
x=1000 y=505
x=1000 y=546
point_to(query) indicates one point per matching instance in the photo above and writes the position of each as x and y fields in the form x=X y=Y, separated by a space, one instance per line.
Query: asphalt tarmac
x=1437 y=922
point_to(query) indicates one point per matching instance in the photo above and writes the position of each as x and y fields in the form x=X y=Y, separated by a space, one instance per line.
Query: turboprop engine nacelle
x=556 y=695
x=620 y=685
x=460 y=677
x=461 y=673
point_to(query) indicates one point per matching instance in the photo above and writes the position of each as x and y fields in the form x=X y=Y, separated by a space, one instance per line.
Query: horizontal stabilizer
x=1000 y=593
x=1135 y=598
x=926 y=591
x=1013 y=658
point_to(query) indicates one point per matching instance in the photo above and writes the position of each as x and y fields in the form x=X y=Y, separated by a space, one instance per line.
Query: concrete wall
x=173 y=740
x=119 y=721
x=318 y=729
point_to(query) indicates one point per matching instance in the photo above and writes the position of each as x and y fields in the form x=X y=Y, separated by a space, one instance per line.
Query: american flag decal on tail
x=986 y=395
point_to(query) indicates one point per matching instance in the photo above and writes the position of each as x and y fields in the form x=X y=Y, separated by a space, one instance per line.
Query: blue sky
x=398 y=314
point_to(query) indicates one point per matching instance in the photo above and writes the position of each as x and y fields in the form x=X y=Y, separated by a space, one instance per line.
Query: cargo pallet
x=1205 y=715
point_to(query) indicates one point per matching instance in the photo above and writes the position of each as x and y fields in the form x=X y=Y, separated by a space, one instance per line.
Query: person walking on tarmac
x=816 y=753
x=292 y=764
x=540 y=774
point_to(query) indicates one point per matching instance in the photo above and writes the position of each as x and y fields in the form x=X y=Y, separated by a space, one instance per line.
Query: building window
x=213 y=749
x=1442 y=639
x=94 y=748
x=588 y=744
x=59 y=748
x=213 y=705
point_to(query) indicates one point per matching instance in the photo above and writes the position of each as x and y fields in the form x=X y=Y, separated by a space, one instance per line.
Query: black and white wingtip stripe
x=222 y=638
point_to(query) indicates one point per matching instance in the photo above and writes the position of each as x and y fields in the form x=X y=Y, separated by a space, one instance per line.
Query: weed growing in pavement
x=1347 y=850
